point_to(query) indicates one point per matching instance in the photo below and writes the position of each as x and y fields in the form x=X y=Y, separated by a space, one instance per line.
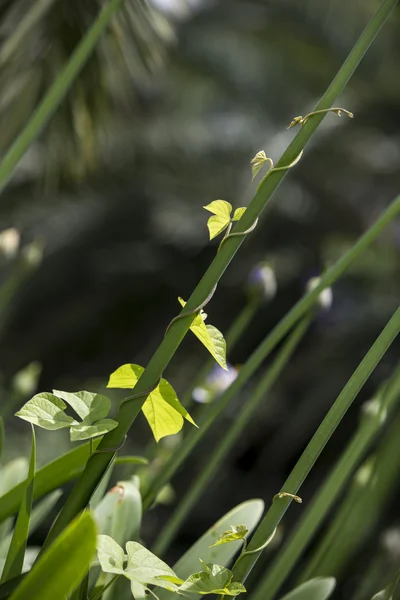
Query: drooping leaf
x=210 y=337
x=213 y=580
x=238 y=214
x=236 y=532
x=63 y=565
x=319 y=588
x=47 y=411
x=258 y=162
x=216 y=225
x=162 y=409
x=16 y=552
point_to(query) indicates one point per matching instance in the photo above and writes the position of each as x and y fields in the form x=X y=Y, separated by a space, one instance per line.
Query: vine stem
x=218 y=454
x=264 y=350
x=317 y=443
x=57 y=92
x=98 y=463
x=326 y=496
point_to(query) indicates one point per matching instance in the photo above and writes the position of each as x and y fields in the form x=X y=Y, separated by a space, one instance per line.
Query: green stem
x=319 y=508
x=218 y=455
x=318 y=442
x=128 y=412
x=105 y=588
x=57 y=92
x=265 y=349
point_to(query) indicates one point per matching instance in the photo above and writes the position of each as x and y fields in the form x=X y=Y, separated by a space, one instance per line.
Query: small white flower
x=9 y=242
x=325 y=298
x=262 y=280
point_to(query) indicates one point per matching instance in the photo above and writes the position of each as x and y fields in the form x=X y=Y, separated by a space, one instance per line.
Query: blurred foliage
x=164 y=119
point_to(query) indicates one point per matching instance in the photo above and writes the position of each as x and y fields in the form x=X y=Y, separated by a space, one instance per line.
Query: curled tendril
x=287 y=495
x=303 y=120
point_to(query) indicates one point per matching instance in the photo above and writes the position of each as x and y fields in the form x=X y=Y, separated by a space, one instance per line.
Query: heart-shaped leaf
x=213 y=580
x=221 y=210
x=47 y=411
x=236 y=532
x=238 y=214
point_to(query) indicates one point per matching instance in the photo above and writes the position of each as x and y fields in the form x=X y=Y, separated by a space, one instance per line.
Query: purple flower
x=262 y=281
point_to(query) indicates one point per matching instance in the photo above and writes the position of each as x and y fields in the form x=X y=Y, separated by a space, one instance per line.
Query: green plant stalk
x=57 y=92
x=372 y=487
x=314 y=448
x=227 y=442
x=264 y=349
x=128 y=412
x=319 y=508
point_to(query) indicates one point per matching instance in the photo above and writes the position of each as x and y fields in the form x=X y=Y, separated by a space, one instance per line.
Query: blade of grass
x=370 y=425
x=62 y=567
x=215 y=460
x=57 y=92
x=128 y=412
x=48 y=478
x=314 y=448
x=213 y=410
x=16 y=551
x=372 y=488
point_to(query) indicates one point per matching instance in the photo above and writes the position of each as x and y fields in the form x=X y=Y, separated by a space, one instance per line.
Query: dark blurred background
x=165 y=118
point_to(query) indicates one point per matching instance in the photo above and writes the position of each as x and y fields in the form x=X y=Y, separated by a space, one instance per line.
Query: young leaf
x=236 y=532
x=61 y=568
x=210 y=337
x=162 y=409
x=214 y=580
x=47 y=411
x=319 y=588
x=238 y=214
x=16 y=552
x=221 y=210
x=258 y=162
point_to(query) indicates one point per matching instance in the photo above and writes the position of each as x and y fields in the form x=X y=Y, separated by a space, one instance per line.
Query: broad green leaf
x=216 y=225
x=162 y=409
x=221 y=208
x=86 y=430
x=119 y=513
x=61 y=567
x=248 y=513
x=236 y=532
x=210 y=337
x=213 y=580
x=319 y=588
x=125 y=377
x=86 y=404
x=238 y=214
x=111 y=556
x=47 y=411
x=16 y=552
x=48 y=478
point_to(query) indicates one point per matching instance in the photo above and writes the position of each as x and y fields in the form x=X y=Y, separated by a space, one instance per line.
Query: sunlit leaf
x=222 y=208
x=236 y=532
x=86 y=403
x=125 y=377
x=47 y=411
x=258 y=162
x=238 y=214
x=216 y=225
x=213 y=580
x=210 y=337
x=86 y=430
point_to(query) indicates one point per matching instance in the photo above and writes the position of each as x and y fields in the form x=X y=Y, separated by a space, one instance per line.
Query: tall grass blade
x=16 y=551
x=317 y=443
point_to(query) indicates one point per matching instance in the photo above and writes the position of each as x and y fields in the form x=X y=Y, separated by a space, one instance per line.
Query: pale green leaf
x=221 y=208
x=210 y=337
x=125 y=377
x=216 y=225
x=164 y=412
x=214 y=580
x=236 y=532
x=110 y=554
x=146 y=568
x=319 y=588
x=86 y=404
x=119 y=513
x=258 y=162
x=238 y=214
x=85 y=430
x=47 y=411
x=61 y=568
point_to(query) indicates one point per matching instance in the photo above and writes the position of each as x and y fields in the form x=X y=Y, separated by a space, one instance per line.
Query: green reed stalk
x=128 y=412
x=215 y=460
x=57 y=92
x=213 y=410
x=370 y=425
x=314 y=448
x=371 y=489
